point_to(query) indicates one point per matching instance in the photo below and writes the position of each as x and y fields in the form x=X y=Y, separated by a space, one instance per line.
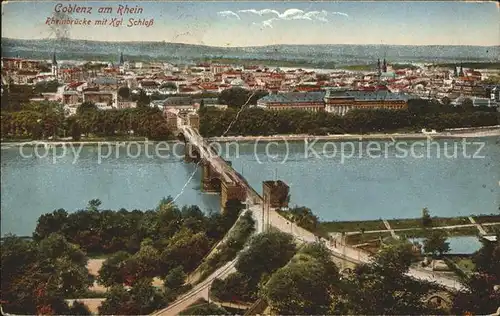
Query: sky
x=236 y=24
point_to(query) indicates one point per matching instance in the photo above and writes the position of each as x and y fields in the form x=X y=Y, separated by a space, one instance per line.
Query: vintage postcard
x=250 y=158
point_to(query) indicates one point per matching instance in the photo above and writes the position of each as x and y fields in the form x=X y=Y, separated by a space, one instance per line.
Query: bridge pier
x=191 y=153
x=209 y=180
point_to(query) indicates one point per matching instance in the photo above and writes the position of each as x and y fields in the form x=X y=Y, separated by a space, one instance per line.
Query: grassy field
x=367 y=237
x=436 y=222
x=422 y=233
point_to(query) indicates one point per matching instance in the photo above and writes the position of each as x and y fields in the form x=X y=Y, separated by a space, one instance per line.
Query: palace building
x=334 y=101
x=340 y=102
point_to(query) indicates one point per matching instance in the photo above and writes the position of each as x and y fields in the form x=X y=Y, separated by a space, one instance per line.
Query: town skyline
x=256 y=24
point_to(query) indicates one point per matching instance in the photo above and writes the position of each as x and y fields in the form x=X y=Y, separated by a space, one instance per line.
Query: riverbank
x=406 y=223
x=490 y=131
x=487 y=131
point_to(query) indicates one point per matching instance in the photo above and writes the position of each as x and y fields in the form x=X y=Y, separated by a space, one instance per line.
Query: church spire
x=121 y=59
x=378 y=67
x=384 y=66
x=461 y=73
x=54 y=60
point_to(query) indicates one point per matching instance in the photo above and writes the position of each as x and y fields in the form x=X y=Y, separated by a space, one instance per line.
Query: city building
x=338 y=101
x=342 y=101
x=103 y=99
x=309 y=101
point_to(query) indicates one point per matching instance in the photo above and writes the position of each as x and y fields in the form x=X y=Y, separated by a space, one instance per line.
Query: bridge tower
x=275 y=195
x=231 y=191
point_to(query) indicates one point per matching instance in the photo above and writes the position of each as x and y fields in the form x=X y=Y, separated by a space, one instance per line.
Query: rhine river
x=364 y=186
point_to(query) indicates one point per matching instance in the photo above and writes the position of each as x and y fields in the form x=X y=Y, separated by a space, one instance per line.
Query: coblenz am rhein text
x=65 y=12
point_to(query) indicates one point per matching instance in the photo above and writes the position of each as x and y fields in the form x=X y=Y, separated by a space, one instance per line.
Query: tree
x=50 y=223
x=265 y=254
x=94 y=204
x=112 y=271
x=481 y=294
x=383 y=288
x=305 y=285
x=86 y=107
x=141 y=299
x=36 y=277
x=467 y=105
x=202 y=307
x=76 y=131
x=426 y=218
x=234 y=288
x=79 y=308
x=175 y=278
x=435 y=243
x=305 y=218
x=235 y=97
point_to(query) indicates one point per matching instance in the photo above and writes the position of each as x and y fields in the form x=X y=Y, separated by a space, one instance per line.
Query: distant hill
x=185 y=53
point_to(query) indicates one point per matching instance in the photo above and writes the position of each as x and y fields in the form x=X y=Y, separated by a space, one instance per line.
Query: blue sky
x=267 y=23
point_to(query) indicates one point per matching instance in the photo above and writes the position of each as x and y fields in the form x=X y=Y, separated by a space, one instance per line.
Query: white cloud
x=228 y=14
x=290 y=14
x=340 y=13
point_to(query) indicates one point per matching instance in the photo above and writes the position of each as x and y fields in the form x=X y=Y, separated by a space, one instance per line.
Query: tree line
x=305 y=281
x=41 y=120
x=167 y=243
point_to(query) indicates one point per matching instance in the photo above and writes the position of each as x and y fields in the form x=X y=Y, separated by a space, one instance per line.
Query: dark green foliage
x=237 y=97
x=44 y=119
x=305 y=285
x=79 y=308
x=175 y=278
x=436 y=244
x=166 y=242
x=202 y=307
x=383 y=288
x=426 y=218
x=141 y=299
x=303 y=217
x=420 y=114
x=37 y=276
x=480 y=297
x=124 y=93
x=266 y=253
x=235 y=241
x=46 y=86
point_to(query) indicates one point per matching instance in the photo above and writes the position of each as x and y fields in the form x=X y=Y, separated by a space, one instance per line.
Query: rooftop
x=105 y=80
x=293 y=97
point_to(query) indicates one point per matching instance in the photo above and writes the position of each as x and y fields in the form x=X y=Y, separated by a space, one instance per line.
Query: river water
x=334 y=187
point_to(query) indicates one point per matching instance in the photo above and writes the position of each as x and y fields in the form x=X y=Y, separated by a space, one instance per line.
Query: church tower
x=55 y=71
x=384 y=66
x=461 y=73
x=455 y=73
x=379 y=70
x=121 y=63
